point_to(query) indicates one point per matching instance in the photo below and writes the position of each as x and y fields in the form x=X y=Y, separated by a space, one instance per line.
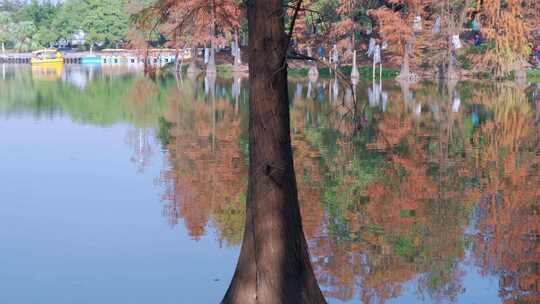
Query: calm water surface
x=116 y=188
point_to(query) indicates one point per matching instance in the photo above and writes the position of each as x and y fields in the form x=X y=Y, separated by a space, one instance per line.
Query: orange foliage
x=191 y=20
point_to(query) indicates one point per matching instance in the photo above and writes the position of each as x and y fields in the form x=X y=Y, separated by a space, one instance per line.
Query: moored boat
x=91 y=59
x=47 y=57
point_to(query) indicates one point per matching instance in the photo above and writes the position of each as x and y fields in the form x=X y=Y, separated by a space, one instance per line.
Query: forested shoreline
x=422 y=38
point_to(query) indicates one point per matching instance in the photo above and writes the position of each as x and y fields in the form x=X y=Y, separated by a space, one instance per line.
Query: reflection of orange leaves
x=308 y=177
x=509 y=225
x=208 y=165
x=393 y=27
x=392 y=129
x=405 y=187
x=142 y=91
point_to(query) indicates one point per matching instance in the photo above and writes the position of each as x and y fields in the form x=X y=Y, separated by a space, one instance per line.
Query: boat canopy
x=46 y=54
x=44 y=51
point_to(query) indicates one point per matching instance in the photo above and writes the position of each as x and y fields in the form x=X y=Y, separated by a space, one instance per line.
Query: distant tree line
x=29 y=25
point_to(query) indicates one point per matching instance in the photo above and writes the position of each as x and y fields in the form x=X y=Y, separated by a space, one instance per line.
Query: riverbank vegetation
x=424 y=38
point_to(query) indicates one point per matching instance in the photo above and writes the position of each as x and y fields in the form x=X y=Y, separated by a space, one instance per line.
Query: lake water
x=115 y=188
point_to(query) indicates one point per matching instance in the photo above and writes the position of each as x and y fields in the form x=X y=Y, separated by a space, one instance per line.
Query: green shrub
x=224 y=70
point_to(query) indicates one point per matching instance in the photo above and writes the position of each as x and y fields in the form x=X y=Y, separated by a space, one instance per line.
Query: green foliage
x=224 y=70
x=67 y=21
x=366 y=72
x=533 y=75
x=404 y=247
x=164 y=128
x=481 y=49
x=24 y=36
x=298 y=72
x=407 y=213
x=41 y=23
x=40 y=15
x=104 y=101
x=464 y=61
x=231 y=218
x=105 y=21
x=5 y=31
x=342 y=193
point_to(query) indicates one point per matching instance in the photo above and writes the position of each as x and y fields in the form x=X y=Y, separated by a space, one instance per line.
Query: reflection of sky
x=78 y=75
x=79 y=225
x=478 y=290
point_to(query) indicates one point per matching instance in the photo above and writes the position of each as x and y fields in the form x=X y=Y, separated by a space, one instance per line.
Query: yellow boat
x=46 y=57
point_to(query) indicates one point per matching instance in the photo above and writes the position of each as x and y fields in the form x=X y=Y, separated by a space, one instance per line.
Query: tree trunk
x=237 y=56
x=146 y=60
x=235 y=43
x=176 y=57
x=451 y=72
x=192 y=68
x=405 y=69
x=355 y=74
x=211 y=67
x=212 y=91
x=238 y=82
x=274 y=265
x=353 y=42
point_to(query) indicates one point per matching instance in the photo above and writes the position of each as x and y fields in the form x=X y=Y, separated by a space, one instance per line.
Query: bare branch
x=303 y=9
x=291 y=28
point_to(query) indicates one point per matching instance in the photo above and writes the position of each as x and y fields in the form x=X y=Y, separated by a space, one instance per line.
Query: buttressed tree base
x=274 y=265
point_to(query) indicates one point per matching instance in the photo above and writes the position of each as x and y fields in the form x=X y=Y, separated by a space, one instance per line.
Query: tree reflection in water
x=414 y=185
x=206 y=179
x=392 y=192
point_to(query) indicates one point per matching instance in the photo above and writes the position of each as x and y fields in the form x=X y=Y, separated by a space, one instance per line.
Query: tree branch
x=303 y=9
x=291 y=29
x=297 y=56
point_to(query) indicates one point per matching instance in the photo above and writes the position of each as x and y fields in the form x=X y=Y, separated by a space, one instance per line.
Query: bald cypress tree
x=274 y=265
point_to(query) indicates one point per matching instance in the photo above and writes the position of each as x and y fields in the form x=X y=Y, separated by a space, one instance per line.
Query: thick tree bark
x=274 y=265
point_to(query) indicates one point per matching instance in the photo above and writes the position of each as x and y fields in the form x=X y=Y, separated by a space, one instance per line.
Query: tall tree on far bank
x=274 y=265
x=41 y=14
x=447 y=23
x=507 y=28
x=5 y=23
x=396 y=22
x=105 y=21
